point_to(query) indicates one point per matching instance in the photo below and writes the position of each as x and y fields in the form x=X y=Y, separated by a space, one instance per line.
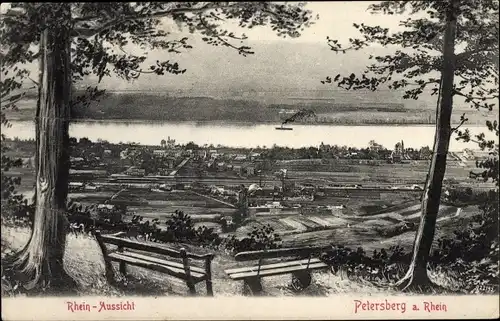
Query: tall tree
x=74 y=40
x=427 y=59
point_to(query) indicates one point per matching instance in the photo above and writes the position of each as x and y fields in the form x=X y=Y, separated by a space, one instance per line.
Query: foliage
x=461 y=197
x=97 y=30
x=467 y=64
x=260 y=238
x=93 y=33
x=327 y=151
x=238 y=216
x=383 y=265
x=470 y=255
x=12 y=202
x=414 y=66
x=180 y=227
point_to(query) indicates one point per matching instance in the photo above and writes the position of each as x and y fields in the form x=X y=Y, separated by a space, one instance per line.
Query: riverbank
x=238 y=136
x=232 y=123
x=340 y=119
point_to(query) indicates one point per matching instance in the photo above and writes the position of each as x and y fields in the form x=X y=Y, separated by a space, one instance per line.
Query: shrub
x=383 y=265
x=473 y=252
x=181 y=227
x=471 y=255
x=260 y=238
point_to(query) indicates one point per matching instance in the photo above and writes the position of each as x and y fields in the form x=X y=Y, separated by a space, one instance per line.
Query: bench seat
x=276 y=268
x=172 y=268
x=156 y=257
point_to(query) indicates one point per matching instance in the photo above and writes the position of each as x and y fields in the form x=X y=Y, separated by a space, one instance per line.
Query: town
x=294 y=190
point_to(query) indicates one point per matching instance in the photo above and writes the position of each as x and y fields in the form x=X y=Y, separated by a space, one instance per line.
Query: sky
x=293 y=65
x=279 y=67
x=335 y=20
x=279 y=64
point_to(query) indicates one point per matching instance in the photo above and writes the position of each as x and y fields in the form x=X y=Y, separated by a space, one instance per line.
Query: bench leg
x=123 y=268
x=301 y=280
x=109 y=272
x=191 y=287
x=252 y=286
x=210 y=291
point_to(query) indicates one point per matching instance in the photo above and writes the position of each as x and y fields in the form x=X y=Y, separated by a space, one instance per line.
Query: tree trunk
x=417 y=277
x=40 y=263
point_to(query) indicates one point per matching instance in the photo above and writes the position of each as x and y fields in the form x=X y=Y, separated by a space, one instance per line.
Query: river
x=244 y=135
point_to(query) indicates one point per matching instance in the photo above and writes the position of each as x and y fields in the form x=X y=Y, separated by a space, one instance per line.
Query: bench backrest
x=300 y=252
x=152 y=248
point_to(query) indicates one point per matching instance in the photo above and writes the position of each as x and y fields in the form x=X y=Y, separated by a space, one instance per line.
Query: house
x=75 y=160
x=395 y=157
x=240 y=158
x=124 y=154
x=28 y=162
x=425 y=153
x=254 y=156
x=128 y=153
x=237 y=169
x=170 y=142
x=75 y=186
x=211 y=164
x=106 y=207
x=373 y=146
x=202 y=154
x=163 y=171
x=221 y=166
x=160 y=152
x=134 y=171
x=249 y=170
x=91 y=187
x=170 y=162
x=165 y=187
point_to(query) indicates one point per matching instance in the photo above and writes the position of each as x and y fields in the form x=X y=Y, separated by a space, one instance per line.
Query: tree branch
x=215 y=33
x=139 y=16
x=456 y=92
x=35 y=82
x=462 y=121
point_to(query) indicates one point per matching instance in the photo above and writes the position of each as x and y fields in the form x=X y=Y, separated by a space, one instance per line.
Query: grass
x=83 y=261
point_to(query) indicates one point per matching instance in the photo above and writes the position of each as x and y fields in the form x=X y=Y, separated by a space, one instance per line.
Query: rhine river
x=244 y=135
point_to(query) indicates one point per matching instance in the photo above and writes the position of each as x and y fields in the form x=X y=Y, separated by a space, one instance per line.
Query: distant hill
x=221 y=85
x=159 y=107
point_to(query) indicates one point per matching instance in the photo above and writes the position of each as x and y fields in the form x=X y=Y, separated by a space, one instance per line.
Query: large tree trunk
x=40 y=263
x=417 y=277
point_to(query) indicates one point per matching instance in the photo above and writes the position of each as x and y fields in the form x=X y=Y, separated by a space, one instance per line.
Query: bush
x=384 y=265
x=473 y=253
x=181 y=227
x=260 y=238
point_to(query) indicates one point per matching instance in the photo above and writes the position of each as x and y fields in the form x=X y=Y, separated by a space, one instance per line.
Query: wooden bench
x=304 y=260
x=139 y=254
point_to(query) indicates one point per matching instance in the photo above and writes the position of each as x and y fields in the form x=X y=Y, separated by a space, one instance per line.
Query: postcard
x=250 y=160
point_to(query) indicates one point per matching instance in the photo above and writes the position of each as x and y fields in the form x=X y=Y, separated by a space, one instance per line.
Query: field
x=368 y=222
x=367 y=213
x=372 y=218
